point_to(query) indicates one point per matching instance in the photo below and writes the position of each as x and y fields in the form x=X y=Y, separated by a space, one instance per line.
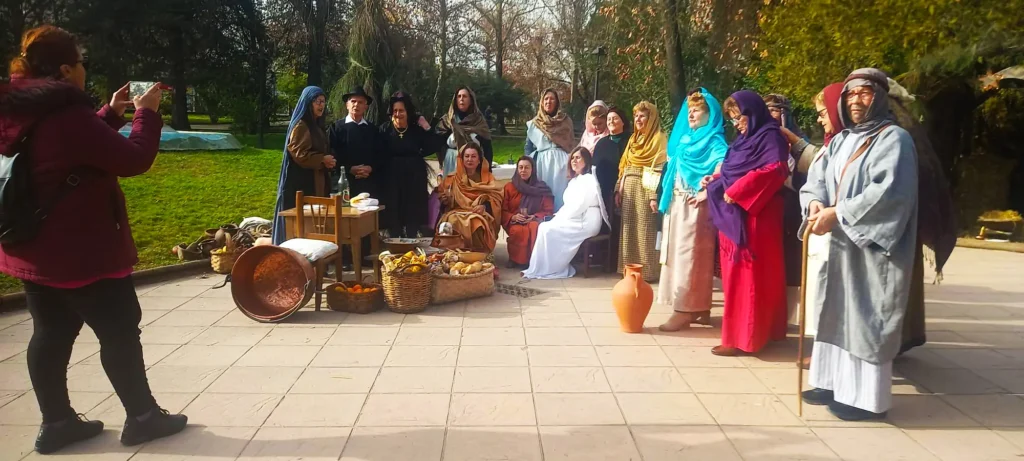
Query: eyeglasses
x=860 y=95
x=823 y=113
x=735 y=121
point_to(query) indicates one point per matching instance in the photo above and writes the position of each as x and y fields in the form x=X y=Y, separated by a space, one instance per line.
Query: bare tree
x=506 y=24
x=444 y=24
x=315 y=14
x=308 y=33
x=572 y=48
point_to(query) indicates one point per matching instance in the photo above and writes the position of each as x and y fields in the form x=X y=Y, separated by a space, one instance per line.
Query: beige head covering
x=471 y=123
x=558 y=128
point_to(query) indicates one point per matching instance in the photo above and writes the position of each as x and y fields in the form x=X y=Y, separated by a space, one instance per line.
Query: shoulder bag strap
x=859 y=152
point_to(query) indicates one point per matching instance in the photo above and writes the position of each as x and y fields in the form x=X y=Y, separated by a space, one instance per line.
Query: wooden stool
x=596 y=243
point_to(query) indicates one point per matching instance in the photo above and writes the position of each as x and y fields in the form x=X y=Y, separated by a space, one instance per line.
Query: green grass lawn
x=187 y=192
x=198 y=119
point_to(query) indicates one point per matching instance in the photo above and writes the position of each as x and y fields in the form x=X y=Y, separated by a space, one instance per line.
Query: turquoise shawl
x=693 y=154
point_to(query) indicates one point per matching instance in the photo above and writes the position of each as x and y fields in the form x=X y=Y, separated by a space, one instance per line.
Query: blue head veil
x=693 y=154
x=305 y=101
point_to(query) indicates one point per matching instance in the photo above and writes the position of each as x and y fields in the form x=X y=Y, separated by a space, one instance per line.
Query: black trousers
x=111 y=308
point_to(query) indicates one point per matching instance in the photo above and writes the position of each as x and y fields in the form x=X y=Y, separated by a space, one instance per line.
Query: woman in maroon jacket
x=77 y=268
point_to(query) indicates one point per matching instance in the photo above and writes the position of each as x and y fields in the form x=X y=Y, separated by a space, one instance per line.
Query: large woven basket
x=406 y=292
x=356 y=303
x=451 y=288
x=222 y=263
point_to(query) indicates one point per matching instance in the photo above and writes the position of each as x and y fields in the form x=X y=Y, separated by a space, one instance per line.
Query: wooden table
x=355 y=225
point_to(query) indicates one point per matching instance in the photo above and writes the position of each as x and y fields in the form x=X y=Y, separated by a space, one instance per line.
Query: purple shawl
x=533 y=190
x=763 y=145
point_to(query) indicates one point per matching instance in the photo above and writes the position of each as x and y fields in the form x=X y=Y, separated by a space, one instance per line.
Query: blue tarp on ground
x=172 y=140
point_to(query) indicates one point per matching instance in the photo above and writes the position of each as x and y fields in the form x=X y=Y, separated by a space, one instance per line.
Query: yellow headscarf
x=646 y=147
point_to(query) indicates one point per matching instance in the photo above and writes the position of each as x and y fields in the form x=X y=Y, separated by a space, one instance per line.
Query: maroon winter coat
x=86 y=235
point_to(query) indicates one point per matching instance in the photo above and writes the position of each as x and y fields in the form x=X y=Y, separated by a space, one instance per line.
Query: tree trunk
x=179 y=100
x=261 y=121
x=314 y=62
x=443 y=58
x=674 y=56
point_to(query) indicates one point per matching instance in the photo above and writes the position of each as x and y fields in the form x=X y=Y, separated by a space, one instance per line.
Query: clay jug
x=632 y=298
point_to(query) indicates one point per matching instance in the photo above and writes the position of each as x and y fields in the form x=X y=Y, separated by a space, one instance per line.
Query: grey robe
x=863 y=292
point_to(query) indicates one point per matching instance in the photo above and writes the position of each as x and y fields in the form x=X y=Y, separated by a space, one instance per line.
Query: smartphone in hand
x=140 y=88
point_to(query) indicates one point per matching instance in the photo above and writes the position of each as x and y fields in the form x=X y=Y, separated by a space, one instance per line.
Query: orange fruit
x=358 y=287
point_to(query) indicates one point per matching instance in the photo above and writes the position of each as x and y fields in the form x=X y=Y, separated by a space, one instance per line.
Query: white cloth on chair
x=313 y=250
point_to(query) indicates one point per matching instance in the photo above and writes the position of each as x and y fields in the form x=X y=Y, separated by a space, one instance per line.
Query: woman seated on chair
x=471 y=200
x=580 y=218
x=528 y=201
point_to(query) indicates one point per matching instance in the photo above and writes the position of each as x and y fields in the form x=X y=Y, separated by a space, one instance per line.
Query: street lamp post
x=599 y=52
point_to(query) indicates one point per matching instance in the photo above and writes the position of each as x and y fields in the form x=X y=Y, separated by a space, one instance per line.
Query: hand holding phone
x=150 y=99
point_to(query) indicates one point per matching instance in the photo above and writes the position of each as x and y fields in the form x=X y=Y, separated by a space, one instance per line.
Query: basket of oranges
x=357 y=298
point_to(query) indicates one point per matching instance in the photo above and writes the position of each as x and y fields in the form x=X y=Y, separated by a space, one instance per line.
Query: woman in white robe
x=580 y=218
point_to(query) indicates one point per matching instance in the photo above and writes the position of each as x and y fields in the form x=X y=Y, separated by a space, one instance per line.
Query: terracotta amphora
x=632 y=298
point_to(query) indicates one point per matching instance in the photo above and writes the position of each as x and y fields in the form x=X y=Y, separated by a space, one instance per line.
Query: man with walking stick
x=864 y=192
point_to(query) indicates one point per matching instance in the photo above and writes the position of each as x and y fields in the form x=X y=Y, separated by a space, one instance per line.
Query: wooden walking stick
x=802 y=322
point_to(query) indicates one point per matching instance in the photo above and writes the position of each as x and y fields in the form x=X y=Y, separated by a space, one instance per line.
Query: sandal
x=723 y=351
x=680 y=320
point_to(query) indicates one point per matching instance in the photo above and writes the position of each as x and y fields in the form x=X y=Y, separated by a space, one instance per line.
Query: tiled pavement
x=549 y=377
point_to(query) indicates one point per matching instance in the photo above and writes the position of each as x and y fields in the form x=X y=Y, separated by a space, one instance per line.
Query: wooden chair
x=600 y=244
x=325 y=216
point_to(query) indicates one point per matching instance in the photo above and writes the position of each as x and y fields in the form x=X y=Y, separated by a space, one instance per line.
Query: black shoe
x=54 y=436
x=818 y=397
x=159 y=423
x=848 y=413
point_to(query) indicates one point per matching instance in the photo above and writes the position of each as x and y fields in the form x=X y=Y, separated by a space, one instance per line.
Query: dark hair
x=471 y=145
x=622 y=115
x=588 y=159
x=43 y=50
x=405 y=99
x=528 y=159
x=310 y=119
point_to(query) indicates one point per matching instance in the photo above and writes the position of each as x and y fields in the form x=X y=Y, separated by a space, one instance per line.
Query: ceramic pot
x=632 y=298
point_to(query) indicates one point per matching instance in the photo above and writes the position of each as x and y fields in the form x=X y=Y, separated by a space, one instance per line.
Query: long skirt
x=552 y=167
x=451 y=158
x=754 y=283
x=853 y=381
x=639 y=226
x=406 y=211
x=688 y=256
x=521 y=238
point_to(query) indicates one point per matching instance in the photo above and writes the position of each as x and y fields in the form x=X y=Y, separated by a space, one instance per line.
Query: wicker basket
x=356 y=303
x=406 y=292
x=222 y=263
x=450 y=288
